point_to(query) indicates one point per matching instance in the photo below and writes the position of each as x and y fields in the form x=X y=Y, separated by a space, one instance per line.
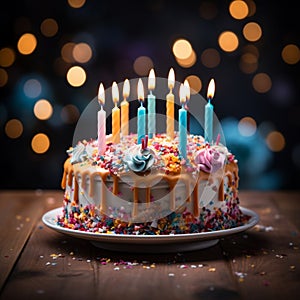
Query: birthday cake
x=149 y=188
x=170 y=183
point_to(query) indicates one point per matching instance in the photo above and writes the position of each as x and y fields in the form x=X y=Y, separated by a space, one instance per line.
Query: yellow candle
x=125 y=109
x=170 y=105
x=115 y=114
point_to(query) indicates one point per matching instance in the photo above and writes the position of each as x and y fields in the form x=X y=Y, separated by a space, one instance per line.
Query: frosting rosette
x=80 y=152
x=209 y=160
x=139 y=160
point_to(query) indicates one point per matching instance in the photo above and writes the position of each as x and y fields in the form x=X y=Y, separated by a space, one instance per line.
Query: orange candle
x=115 y=115
x=170 y=105
x=125 y=109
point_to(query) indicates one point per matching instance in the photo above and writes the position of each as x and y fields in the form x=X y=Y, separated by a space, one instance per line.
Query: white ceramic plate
x=150 y=243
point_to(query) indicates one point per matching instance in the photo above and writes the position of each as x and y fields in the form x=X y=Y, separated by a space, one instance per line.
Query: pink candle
x=218 y=139
x=101 y=122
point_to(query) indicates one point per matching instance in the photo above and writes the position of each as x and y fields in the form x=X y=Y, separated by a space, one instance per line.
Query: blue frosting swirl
x=140 y=160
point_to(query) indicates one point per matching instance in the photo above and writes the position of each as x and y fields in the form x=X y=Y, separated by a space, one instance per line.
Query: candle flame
x=187 y=88
x=126 y=88
x=140 y=90
x=151 y=80
x=211 y=89
x=101 y=94
x=115 y=92
x=171 y=79
x=182 y=93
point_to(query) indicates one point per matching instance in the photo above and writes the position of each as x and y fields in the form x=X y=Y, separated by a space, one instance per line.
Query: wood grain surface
x=37 y=262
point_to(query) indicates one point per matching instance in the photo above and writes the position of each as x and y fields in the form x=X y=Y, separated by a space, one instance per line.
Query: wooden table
x=37 y=262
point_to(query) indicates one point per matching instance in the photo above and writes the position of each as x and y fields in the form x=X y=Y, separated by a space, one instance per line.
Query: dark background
x=119 y=32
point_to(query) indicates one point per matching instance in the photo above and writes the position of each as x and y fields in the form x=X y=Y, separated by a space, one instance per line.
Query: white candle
x=151 y=105
x=101 y=122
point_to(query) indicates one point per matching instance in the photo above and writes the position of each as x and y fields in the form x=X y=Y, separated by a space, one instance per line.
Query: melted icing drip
x=231 y=172
x=115 y=185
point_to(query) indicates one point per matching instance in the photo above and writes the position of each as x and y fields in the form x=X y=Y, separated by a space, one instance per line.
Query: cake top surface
x=158 y=153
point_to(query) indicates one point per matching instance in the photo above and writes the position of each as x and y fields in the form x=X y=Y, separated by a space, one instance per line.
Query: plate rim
x=48 y=219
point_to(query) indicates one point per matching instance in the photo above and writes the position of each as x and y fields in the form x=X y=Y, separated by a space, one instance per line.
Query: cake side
x=153 y=188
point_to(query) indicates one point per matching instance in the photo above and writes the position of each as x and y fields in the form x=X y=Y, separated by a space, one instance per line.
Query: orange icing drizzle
x=231 y=172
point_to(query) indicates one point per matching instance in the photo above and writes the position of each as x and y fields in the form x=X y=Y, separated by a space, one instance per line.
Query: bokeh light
x=76 y=76
x=290 y=54
x=248 y=63
x=187 y=62
x=67 y=52
x=69 y=114
x=210 y=58
x=76 y=3
x=27 y=43
x=14 y=128
x=252 y=31
x=49 y=27
x=43 y=109
x=262 y=82
x=228 y=41
x=275 y=141
x=195 y=84
x=3 y=77
x=247 y=126
x=142 y=65
x=182 y=49
x=40 y=143
x=251 y=8
x=32 y=88
x=82 y=52
x=238 y=9
x=250 y=48
x=7 y=57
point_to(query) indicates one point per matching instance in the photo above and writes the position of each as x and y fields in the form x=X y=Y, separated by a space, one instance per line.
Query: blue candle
x=141 y=125
x=182 y=131
x=151 y=105
x=208 y=125
x=182 y=120
x=141 y=114
x=209 y=111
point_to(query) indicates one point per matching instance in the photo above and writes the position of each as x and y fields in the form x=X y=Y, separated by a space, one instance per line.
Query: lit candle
x=188 y=96
x=141 y=114
x=209 y=110
x=115 y=114
x=125 y=109
x=170 y=105
x=101 y=122
x=151 y=104
x=182 y=121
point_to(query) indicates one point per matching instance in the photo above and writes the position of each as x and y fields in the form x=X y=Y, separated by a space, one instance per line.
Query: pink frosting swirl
x=209 y=160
